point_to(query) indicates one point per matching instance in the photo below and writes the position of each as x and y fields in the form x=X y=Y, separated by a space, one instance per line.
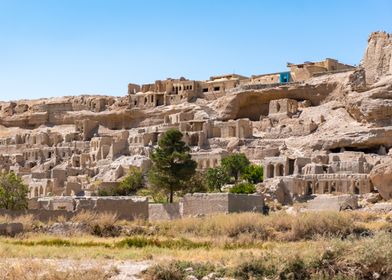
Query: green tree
x=253 y=174
x=235 y=164
x=13 y=192
x=216 y=178
x=130 y=184
x=172 y=165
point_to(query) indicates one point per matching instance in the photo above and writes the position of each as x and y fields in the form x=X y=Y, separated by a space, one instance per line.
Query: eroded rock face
x=381 y=177
x=317 y=136
x=378 y=57
x=371 y=97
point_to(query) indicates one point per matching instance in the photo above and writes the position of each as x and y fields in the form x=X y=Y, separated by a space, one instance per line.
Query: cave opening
x=376 y=149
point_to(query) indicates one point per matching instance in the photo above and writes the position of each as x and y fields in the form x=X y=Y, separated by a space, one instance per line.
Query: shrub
x=179 y=270
x=253 y=174
x=244 y=188
x=196 y=184
x=131 y=183
x=13 y=192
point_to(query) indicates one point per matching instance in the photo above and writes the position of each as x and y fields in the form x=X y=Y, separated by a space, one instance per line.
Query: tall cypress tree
x=172 y=166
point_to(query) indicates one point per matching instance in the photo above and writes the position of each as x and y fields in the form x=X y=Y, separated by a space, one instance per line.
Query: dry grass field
x=324 y=245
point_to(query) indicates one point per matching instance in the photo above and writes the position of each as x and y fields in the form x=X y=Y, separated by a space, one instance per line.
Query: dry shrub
x=100 y=224
x=84 y=217
x=92 y=218
x=107 y=219
x=29 y=270
x=105 y=225
x=279 y=226
x=309 y=225
x=365 y=258
x=28 y=221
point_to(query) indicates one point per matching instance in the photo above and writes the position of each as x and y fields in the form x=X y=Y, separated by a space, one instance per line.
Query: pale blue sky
x=71 y=47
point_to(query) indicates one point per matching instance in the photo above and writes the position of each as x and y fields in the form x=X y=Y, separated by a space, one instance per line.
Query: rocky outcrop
x=381 y=177
x=373 y=105
x=378 y=57
x=371 y=96
x=253 y=104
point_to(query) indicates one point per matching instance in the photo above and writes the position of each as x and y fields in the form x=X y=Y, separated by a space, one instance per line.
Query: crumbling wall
x=158 y=211
x=212 y=203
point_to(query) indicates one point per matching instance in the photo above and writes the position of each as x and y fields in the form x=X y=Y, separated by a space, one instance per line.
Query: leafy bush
x=131 y=183
x=128 y=186
x=244 y=188
x=253 y=174
x=179 y=270
x=216 y=178
x=197 y=183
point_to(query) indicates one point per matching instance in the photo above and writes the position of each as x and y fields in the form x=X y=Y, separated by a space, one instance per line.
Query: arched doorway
x=270 y=171
x=309 y=188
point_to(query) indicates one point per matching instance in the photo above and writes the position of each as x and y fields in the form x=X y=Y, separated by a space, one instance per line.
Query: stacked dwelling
x=299 y=124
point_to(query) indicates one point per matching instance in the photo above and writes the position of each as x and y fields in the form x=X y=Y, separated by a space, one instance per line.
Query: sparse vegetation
x=243 y=188
x=354 y=259
x=36 y=270
x=327 y=245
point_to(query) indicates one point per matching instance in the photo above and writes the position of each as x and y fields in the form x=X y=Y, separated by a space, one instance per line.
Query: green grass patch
x=131 y=242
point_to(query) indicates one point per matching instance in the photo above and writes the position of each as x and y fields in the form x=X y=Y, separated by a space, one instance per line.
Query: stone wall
x=211 y=203
x=157 y=212
x=38 y=214
x=126 y=208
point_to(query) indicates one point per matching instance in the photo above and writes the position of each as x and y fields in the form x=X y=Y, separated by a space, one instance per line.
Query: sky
x=54 y=48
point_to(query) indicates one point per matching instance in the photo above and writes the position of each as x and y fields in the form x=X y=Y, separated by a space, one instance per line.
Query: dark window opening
x=205 y=89
x=291 y=166
x=216 y=88
x=309 y=189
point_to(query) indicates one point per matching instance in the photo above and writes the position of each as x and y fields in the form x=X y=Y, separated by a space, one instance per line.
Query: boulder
x=381 y=177
x=372 y=197
x=327 y=202
x=277 y=189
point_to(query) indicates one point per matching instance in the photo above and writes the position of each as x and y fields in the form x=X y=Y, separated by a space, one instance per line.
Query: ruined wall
x=159 y=212
x=126 y=208
x=212 y=203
